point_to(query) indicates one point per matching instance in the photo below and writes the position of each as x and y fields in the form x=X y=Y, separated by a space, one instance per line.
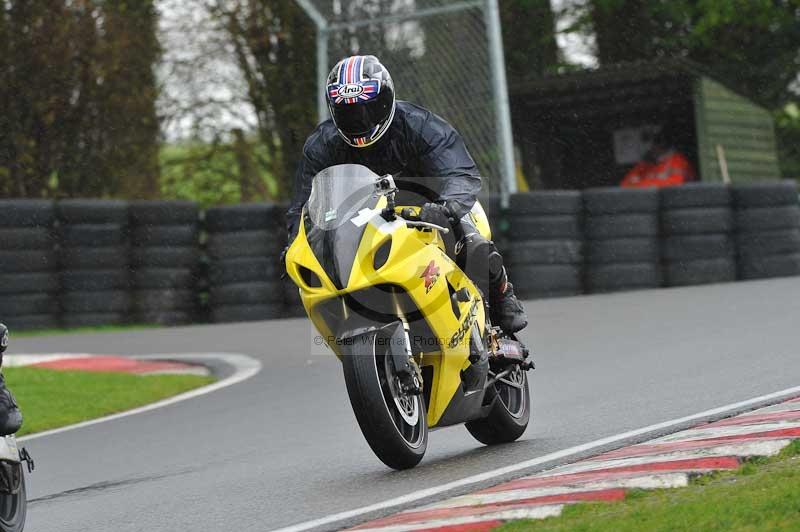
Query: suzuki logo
x=431 y=275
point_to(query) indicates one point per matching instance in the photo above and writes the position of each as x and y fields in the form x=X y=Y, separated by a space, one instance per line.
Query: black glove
x=434 y=213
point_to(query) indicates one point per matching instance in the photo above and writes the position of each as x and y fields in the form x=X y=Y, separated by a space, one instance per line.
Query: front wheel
x=14 y=504
x=510 y=413
x=393 y=422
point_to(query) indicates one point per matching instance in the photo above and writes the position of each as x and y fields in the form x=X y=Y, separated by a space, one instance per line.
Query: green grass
x=51 y=399
x=81 y=330
x=764 y=494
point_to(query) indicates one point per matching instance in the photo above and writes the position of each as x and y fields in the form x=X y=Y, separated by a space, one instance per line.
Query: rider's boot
x=506 y=310
x=10 y=416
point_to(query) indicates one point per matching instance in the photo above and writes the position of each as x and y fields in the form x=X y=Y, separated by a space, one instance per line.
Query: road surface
x=283 y=447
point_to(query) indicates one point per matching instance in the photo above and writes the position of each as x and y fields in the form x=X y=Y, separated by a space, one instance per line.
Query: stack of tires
x=697 y=245
x=622 y=246
x=165 y=256
x=544 y=249
x=243 y=246
x=94 y=262
x=28 y=276
x=767 y=229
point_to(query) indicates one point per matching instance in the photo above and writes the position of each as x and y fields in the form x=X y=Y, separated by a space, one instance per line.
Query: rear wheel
x=14 y=505
x=510 y=414
x=393 y=422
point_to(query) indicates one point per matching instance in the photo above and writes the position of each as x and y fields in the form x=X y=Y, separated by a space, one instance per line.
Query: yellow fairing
x=412 y=251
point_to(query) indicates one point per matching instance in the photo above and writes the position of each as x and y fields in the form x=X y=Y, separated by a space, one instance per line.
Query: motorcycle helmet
x=361 y=99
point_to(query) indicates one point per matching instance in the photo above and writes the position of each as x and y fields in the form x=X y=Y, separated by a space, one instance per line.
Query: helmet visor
x=359 y=119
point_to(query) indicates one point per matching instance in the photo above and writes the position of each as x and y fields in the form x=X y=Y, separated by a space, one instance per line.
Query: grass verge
x=50 y=399
x=764 y=494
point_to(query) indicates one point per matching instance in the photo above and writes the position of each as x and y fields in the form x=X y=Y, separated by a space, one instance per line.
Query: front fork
x=405 y=365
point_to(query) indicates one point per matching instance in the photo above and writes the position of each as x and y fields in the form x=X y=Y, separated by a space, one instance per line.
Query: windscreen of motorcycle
x=338 y=195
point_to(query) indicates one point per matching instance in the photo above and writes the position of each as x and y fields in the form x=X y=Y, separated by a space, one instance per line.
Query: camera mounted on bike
x=385 y=186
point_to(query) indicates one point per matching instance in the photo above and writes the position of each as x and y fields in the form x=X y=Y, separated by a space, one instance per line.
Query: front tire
x=394 y=424
x=510 y=413
x=14 y=507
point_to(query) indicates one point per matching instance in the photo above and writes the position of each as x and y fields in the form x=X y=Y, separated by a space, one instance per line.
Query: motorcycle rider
x=368 y=126
x=10 y=416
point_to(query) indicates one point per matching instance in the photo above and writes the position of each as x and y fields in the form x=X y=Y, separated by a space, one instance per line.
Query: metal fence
x=445 y=55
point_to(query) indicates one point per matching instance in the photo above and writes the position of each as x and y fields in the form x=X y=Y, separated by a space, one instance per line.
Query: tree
x=129 y=96
x=37 y=84
x=752 y=44
x=77 y=98
x=274 y=48
x=529 y=39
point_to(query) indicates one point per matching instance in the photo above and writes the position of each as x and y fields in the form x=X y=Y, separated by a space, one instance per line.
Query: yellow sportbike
x=409 y=326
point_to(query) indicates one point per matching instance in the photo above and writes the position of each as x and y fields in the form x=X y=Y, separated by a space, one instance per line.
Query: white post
x=322 y=74
x=322 y=55
x=502 y=111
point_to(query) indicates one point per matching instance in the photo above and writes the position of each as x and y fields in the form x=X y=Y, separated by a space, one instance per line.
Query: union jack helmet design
x=361 y=99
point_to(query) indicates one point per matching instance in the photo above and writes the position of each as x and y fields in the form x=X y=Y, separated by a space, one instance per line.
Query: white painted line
x=725 y=431
x=477 y=499
x=244 y=368
x=646 y=482
x=757 y=448
x=783 y=407
x=422 y=494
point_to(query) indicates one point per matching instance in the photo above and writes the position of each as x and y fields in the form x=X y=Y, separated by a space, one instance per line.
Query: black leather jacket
x=418 y=144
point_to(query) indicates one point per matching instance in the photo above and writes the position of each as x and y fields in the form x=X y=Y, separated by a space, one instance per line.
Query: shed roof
x=621 y=82
x=608 y=75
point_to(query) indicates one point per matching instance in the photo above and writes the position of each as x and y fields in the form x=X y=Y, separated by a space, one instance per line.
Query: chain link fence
x=440 y=55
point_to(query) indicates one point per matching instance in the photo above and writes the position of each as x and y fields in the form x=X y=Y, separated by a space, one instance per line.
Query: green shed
x=588 y=128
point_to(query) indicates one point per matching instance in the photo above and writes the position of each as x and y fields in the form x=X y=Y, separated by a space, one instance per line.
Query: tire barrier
x=165 y=259
x=544 y=245
x=767 y=220
x=29 y=283
x=94 y=264
x=243 y=246
x=697 y=243
x=622 y=239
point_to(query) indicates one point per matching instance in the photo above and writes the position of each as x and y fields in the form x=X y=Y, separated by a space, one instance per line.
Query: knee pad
x=480 y=259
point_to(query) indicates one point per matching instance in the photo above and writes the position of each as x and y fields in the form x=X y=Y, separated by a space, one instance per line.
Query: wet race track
x=283 y=446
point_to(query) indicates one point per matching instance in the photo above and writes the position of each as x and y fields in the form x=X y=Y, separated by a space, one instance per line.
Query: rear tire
x=14 y=508
x=398 y=439
x=507 y=421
